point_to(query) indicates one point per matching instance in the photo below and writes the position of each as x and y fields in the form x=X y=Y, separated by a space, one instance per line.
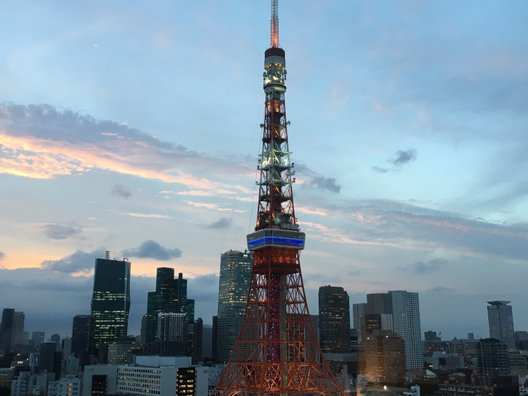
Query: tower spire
x=274 y=23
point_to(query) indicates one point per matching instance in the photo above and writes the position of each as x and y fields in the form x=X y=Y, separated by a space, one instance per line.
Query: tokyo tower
x=276 y=352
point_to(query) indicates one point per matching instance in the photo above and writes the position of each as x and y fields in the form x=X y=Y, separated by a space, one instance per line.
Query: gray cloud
x=400 y=158
x=403 y=156
x=220 y=224
x=314 y=179
x=325 y=183
x=121 y=191
x=61 y=231
x=76 y=262
x=410 y=226
x=152 y=249
x=2 y=255
x=421 y=267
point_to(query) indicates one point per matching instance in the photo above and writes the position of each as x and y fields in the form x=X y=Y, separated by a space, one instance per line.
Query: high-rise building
x=18 y=329
x=406 y=319
x=81 y=327
x=276 y=351
x=110 y=300
x=400 y=312
x=500 y=319
x=170 y=296
x=235 y=274
x=493 y=360
x=6 y=330
x=379 y=303
x=358 y=311
x=37 y=338
x=334 y=319
x=49 y=359
x=384 y=357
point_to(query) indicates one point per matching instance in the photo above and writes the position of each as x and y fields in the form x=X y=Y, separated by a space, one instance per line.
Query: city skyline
x=116 y=135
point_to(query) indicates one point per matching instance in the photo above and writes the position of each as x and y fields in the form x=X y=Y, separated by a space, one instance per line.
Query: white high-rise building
x=406 y=322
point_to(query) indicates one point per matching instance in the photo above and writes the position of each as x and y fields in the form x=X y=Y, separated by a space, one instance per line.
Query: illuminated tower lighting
x=276 y=352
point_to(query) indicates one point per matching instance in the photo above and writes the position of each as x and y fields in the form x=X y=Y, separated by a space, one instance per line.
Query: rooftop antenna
x=274 y=23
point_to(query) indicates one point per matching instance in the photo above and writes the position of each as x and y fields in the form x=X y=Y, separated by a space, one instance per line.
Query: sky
x=133 y=127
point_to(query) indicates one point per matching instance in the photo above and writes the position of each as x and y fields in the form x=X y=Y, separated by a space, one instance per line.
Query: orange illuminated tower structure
x=276 y=352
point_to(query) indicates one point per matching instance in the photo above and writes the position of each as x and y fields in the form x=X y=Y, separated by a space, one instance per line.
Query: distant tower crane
x=276 y=352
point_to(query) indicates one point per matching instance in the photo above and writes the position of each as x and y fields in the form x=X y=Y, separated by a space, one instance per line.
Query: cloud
x=121 y=191
x=311 y=178
x=77 y=262
x=42 y=142
x=146 y=215
x=153 y=250
x=325 y=183
x=60 y=231
x=2 y=255
x=401 y=157
x=220 y=224
x=421 y=267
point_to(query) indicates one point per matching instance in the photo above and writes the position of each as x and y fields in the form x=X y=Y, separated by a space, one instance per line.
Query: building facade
x=384 y=357
x=235 y=275
x=334 y=319
x=110 y=301
x=406 y=319
x=170 y=296
x=500 y=319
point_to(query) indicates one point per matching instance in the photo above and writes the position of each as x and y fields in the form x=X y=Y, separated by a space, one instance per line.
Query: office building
x=334 y=319
x=235 y=275
x=403 y=310
x=150 y=375
x=500 y=319
x=69 y=386
x=384 y=357
x=358 y=311
x=110 y=301
x=81 y=327
x=6 y=330
x=406 y=319
x=170 y=296
x=37 y=338
x=493 y=360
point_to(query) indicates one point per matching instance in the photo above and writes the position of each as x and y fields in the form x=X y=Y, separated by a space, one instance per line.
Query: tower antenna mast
x=274 y=23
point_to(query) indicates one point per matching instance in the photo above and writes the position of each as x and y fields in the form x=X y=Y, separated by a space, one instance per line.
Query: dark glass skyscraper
x=81 y=328
x=334 y=319
x=235 y=275
x=170 y=297
x=110 y=301
x=6 y=330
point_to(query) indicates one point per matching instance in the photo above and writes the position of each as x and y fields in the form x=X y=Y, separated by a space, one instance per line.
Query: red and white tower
x=276 y=352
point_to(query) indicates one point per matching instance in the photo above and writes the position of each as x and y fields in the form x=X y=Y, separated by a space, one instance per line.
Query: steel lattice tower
x=276 y=352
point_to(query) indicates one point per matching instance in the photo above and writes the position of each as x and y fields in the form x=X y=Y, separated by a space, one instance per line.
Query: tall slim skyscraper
x=235 y=274
x=500 y=319
x=406 y=319
x=110 y=300
x=404 y=308
x=6 y=330
x=170 y=296
x=334 y=319
x=358 y=311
